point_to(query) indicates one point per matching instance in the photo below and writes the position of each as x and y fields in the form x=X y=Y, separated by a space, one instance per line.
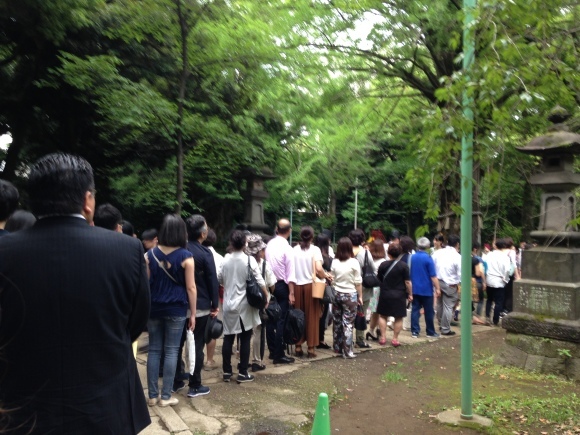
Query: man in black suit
x=109 y=217
x=8 y=202
x=73 y=298
x=207 y=295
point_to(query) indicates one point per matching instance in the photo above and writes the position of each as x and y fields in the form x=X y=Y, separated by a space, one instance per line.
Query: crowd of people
x=93 y=292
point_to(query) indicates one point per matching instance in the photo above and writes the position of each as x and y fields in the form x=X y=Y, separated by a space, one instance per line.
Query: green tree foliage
x=40 y=119
x=176 y=101
x=416 y=46
x=175 y=89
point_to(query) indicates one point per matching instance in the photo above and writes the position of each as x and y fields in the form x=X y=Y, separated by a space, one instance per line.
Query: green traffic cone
x=321 y=425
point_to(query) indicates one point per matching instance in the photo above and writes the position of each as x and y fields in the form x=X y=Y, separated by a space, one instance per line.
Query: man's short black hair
x=19 y=220
x=107 y=216
x=502 y=243
x=149 y=234
x=357 y=237
x=9 y=197
x=58 y=183
x=453 y=240
x=210 y=239
x=173 y=231
x=195 y=226
x=128 y=228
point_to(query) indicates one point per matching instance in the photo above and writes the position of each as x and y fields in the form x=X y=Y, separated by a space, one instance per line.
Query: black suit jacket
x=205 y=276
x=73 y=298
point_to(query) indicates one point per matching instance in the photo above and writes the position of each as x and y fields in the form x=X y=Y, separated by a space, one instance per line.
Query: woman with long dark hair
x=346 y=274
x=308 y=266
x=171 y=273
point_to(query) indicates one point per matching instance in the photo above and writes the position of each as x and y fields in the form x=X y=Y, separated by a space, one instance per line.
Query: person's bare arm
x=189 y=267
x=435 y=282
x=359 y=292
x=479 y=271
x=409 y=290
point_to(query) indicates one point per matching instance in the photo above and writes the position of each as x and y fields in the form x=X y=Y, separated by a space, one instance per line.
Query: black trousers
x=245 y=340
x=494 y=295
x=275 y=330
x=508 y=304
x=199 y=335
x=322 y=324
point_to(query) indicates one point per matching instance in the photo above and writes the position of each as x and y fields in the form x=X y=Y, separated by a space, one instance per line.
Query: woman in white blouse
x=307 y=263
x=239 y=317
x=346 y=273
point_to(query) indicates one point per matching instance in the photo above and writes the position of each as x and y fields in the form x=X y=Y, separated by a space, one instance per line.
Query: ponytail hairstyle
x=306 y=236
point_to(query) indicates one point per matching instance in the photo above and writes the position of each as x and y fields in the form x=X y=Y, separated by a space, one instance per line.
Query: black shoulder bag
x=254 y=293
x=369 y=278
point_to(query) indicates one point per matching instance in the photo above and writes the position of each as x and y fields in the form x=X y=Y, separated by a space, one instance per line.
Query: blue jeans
x=164 y=335
x=427 y=303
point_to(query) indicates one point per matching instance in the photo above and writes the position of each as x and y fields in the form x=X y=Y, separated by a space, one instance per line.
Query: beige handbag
x=317 y=286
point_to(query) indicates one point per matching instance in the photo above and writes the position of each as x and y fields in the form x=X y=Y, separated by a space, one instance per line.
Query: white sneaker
x=172 y=401
x=210 y=365
x=152 y=402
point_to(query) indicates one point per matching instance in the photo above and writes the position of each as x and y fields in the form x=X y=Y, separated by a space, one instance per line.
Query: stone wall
x=544 y=355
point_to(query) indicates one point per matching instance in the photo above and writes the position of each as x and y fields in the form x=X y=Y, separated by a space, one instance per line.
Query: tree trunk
x=180 y=104
x=332 y=208
x=477 y=216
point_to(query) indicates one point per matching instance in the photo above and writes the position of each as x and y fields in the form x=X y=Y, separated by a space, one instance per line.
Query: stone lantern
x=254 y=200
x=557 y=179
x=543 y=331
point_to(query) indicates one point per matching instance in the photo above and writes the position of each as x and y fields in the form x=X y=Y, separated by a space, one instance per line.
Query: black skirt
x=392 y=303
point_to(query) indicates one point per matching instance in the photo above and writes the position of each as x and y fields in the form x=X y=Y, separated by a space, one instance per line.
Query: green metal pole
x=466 y=218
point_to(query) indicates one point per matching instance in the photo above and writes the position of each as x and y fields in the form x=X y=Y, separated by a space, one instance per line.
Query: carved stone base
x=530 y=324
x=542 y=345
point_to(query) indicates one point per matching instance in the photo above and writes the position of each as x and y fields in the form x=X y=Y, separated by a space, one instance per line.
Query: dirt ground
x=425 y=381
x=385 y=391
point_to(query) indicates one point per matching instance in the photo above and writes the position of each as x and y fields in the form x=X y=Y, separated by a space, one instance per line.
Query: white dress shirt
x=498 y=269
x=448 y=265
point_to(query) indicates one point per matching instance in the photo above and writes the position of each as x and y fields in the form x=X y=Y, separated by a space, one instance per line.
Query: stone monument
x=543 y=331
x=254 y=200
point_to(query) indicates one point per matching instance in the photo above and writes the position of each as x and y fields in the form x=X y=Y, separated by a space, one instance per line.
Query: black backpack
x=293 y=326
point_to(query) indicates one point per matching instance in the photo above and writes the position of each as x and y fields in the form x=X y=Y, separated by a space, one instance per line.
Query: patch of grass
x=486 y=366
x=519 y=411
x=539 y=403
x=393 y=375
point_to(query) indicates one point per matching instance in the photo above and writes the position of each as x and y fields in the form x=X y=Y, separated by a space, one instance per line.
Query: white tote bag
x=191 y=351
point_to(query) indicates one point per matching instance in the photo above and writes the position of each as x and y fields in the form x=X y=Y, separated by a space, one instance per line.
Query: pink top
x=280 y=255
